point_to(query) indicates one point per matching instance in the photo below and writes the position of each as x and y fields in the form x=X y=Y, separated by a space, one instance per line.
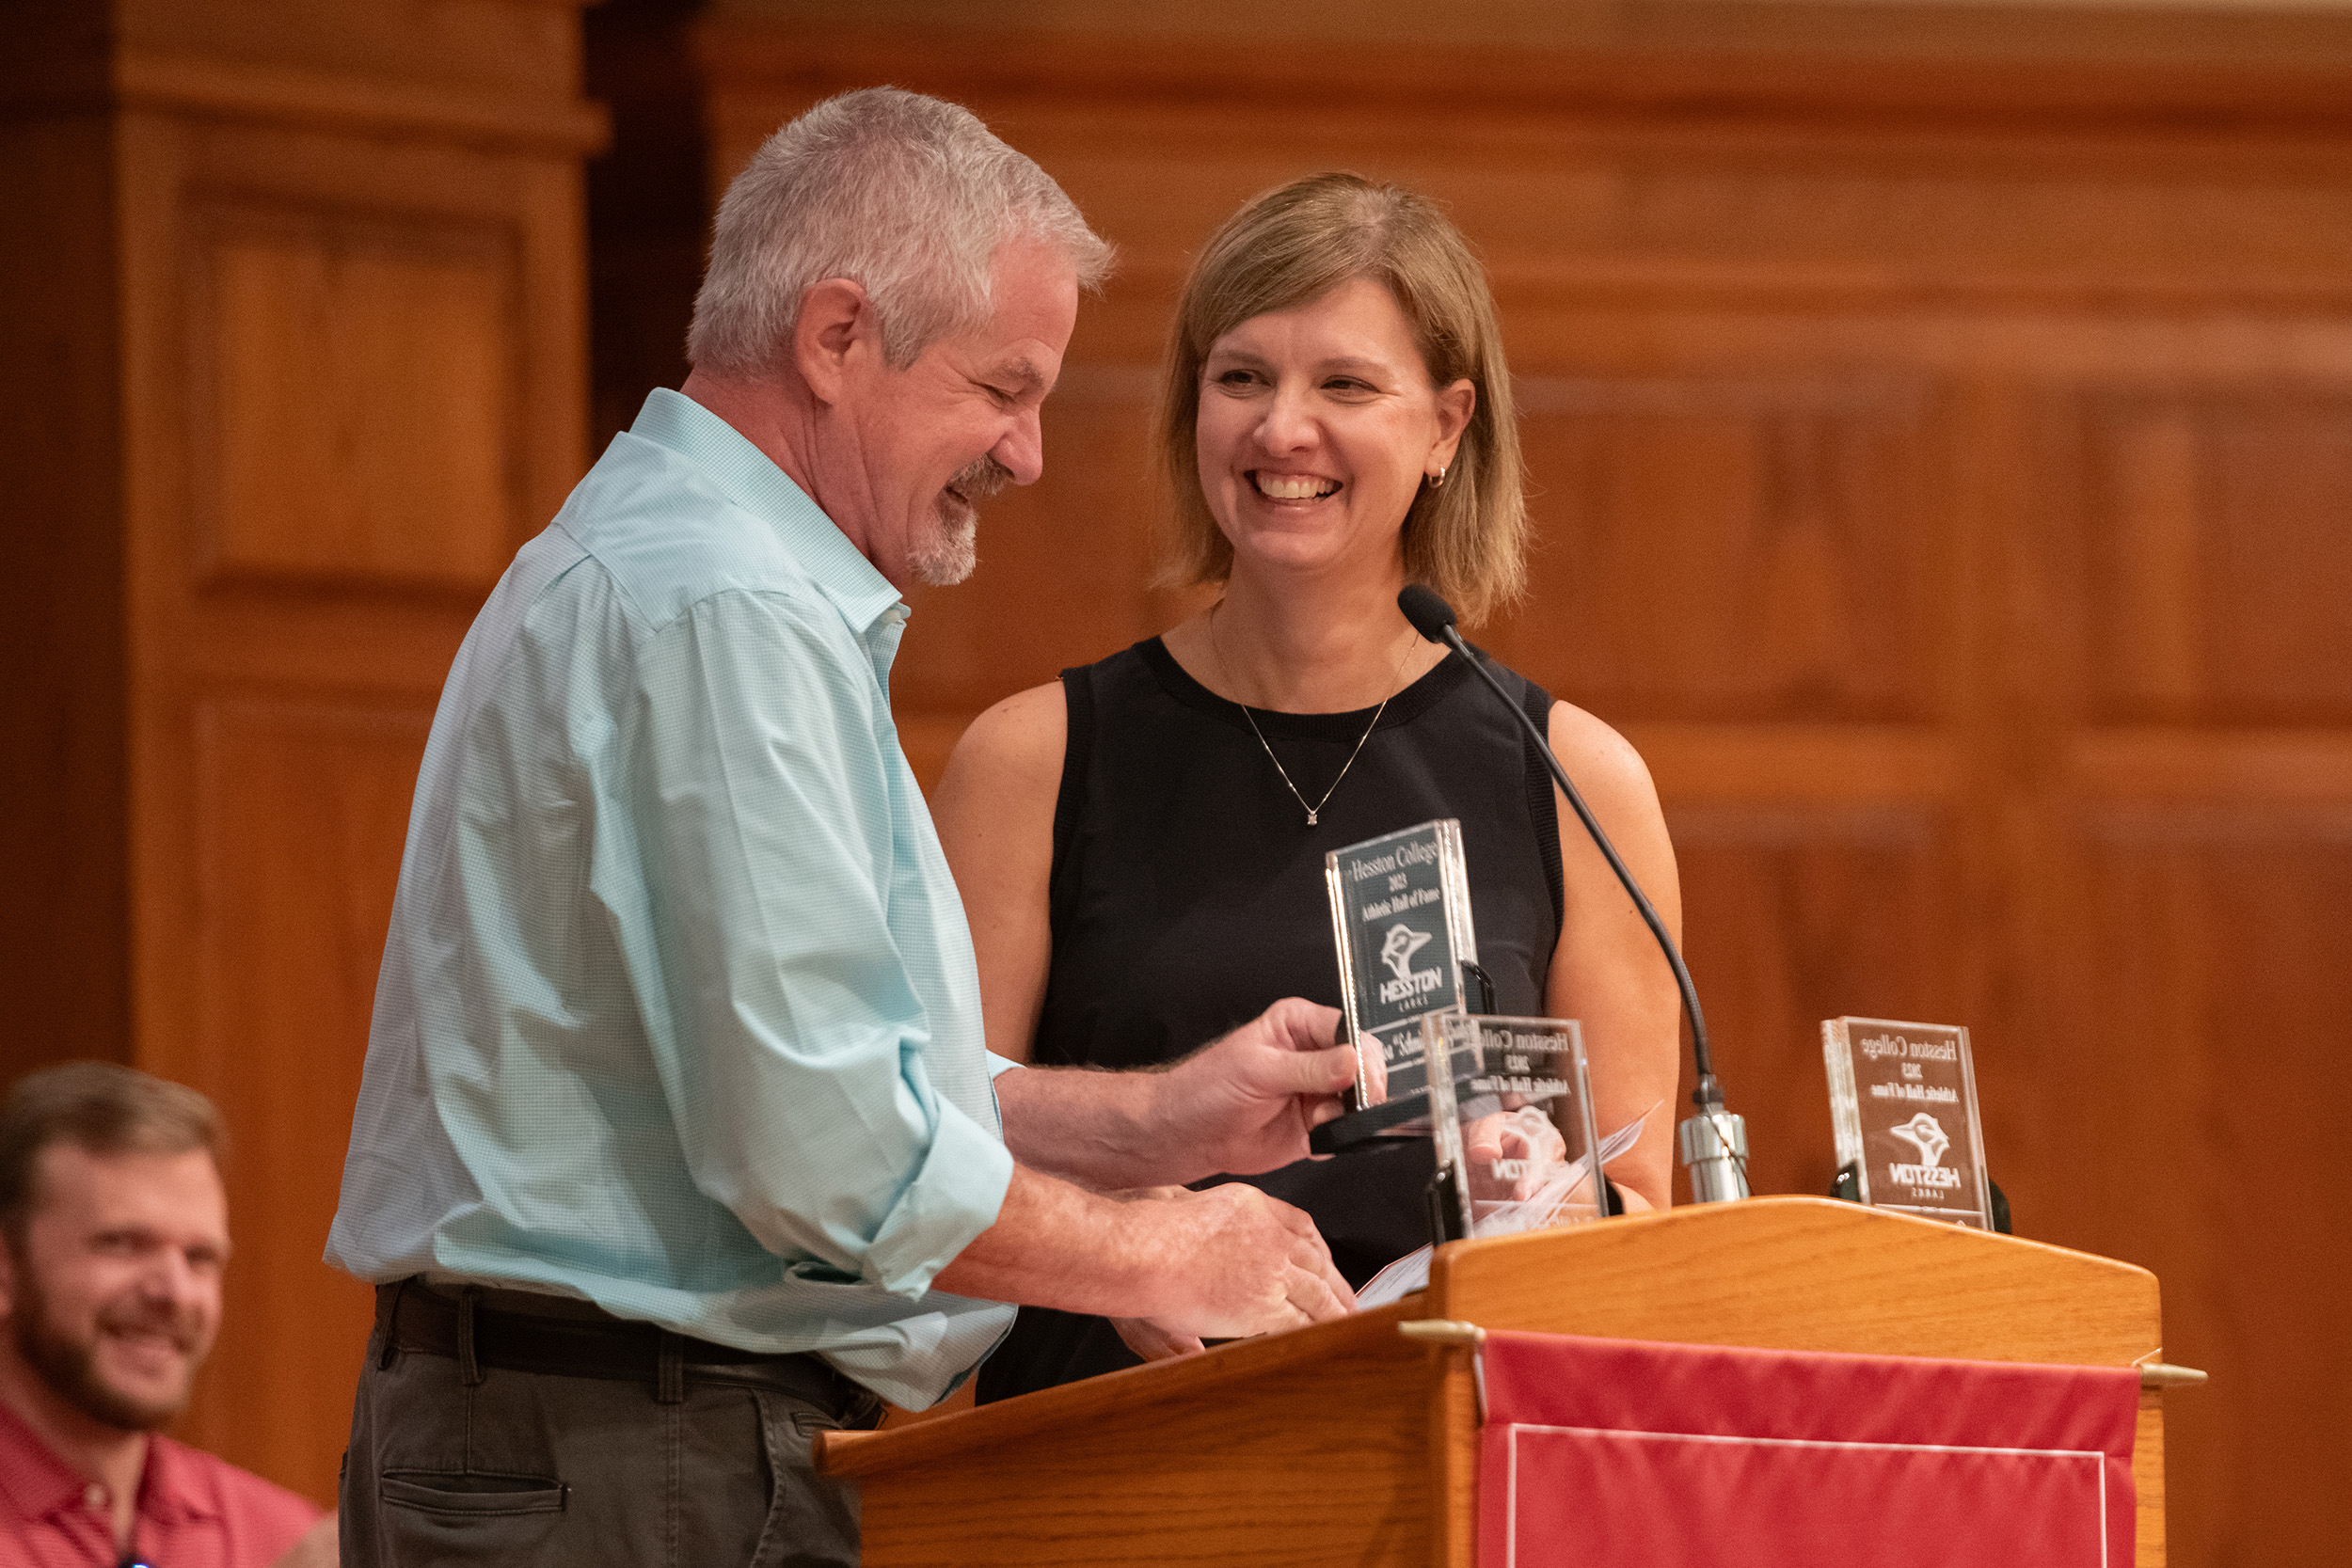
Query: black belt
x=578 y=1340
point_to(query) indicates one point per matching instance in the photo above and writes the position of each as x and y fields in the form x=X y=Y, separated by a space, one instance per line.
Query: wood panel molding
x=1797 y=912
x=2212 y=515
x=1685 y=85
x=298 y=288
x=1712 y=546
x=1528 y=284
x=1808 y=765
x=64 y=854
x=1723 y=203
x=2246 y=767
x=357 y=397
x=2209 y=1024
x=308 y=98
x=298 y=821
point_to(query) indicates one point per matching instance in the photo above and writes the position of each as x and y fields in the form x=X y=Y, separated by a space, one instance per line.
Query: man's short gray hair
x=906 y=195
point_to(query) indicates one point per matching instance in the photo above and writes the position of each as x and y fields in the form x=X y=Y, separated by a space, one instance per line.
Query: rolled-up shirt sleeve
x=795 y=1049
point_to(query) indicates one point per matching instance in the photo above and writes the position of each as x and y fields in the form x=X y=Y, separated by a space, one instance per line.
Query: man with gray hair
x=677 y=1142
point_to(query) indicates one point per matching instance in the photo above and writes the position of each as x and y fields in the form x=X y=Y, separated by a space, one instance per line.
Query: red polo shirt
x=195 y=1510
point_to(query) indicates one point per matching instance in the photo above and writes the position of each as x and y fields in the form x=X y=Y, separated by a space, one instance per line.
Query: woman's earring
x=1437 y=478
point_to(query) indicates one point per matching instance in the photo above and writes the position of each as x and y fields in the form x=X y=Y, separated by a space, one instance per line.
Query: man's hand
x=1155 y=1341
x=1152 y=1342
x=1245 y=1104
x=1232 y=1261
x=1237 y=1106
x=1218 y=1264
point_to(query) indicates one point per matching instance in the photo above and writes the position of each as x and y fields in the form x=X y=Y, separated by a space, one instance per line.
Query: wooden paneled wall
x=294 y=334
x=1941 y=464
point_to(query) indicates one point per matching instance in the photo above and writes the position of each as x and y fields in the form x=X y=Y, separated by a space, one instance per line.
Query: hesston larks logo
x=1923 y=1133
x=1396 y=951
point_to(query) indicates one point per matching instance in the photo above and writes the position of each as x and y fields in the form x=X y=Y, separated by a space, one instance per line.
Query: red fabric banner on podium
x=1598 y=1453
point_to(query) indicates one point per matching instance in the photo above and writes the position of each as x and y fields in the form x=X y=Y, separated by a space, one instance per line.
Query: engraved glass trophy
x=1902 y=1098
x=1401 y=920
x=1513 y=1123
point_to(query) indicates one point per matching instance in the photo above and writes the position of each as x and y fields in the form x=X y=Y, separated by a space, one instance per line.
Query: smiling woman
x=1318 y=427
x=1387 y=265
x=1139 y=848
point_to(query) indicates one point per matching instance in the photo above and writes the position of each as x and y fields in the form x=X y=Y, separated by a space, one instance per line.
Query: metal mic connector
x=1714 y=1146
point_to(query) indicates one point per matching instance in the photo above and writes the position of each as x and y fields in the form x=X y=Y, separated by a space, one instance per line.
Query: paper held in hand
x=1902 y=1100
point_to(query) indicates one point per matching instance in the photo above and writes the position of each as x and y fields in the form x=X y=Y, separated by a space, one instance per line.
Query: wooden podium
x=1347 y=1443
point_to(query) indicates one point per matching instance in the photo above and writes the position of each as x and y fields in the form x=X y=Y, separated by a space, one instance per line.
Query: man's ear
x=838 y=326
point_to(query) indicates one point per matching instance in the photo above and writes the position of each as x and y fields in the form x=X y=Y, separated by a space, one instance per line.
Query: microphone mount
x=1714 y=1141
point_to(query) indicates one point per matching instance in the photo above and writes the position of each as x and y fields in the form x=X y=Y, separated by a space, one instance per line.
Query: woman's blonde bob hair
x=1465 y=538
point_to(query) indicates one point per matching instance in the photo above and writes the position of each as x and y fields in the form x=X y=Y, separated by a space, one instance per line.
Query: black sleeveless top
x=1188 y=896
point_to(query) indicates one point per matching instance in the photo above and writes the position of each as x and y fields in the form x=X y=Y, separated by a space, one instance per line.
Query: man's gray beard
x=66 y=1367
x=949 y=553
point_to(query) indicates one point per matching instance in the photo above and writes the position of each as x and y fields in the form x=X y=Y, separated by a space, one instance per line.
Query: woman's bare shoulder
x=1015 y=745
x=1597 y=756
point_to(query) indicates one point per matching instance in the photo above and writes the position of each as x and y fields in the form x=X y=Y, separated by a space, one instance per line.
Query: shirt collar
x=168 y=1492
x=752 y=480
x=36 y=1484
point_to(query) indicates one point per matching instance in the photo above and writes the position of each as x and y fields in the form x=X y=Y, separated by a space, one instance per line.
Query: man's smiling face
x=112 y=1293
x=930 y=440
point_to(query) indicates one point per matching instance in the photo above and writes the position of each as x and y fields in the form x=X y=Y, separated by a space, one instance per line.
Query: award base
x=1444 y=1197
x=1847 y=1189
x=1373 y=1127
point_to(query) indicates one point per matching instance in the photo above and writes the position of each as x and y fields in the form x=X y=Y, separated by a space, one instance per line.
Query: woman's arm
x=995 y=810
x=1607 y=971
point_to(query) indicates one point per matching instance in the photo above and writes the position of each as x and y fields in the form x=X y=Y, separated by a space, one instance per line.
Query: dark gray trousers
x=527 y=1468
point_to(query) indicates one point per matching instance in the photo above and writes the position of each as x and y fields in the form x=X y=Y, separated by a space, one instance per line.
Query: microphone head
x=1429 y=614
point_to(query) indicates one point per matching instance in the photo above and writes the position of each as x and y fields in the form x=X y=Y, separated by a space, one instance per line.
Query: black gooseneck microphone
x=1714 y=1143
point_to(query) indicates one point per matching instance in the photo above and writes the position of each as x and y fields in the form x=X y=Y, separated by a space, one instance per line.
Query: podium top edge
x=1806 y=1273
x=1073 y=1406
x=1751 y=1220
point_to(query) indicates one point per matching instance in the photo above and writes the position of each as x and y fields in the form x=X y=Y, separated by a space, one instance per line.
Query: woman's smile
x=1293 y=487
x=1317 y=426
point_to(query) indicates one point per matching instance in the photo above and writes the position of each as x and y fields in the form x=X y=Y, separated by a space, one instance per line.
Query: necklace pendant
x=1310 y=819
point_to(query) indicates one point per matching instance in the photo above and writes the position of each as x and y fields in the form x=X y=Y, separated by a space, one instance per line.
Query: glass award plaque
x=1513 y=1124
x=1902 y=1099
x=1401 y=918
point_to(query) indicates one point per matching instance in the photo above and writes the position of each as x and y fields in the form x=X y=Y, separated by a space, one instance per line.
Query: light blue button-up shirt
x=679 y=1010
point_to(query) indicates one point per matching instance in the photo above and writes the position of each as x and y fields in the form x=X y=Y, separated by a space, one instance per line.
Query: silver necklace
x=1315 y=811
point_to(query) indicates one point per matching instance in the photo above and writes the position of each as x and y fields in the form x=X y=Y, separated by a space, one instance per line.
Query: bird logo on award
x=1924 y=1133
x=1396 y=951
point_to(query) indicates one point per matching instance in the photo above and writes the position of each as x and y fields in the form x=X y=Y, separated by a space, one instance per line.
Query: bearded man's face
x=111 y=1296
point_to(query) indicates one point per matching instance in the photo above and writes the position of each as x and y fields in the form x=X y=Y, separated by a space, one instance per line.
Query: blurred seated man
x=113 y=1231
